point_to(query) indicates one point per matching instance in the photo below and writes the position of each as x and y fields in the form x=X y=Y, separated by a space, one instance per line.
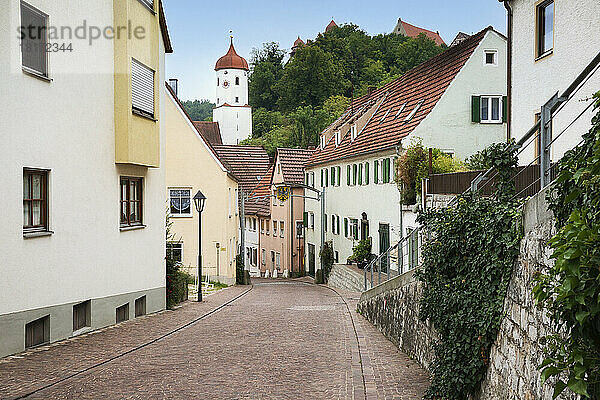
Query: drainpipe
x=509 y=12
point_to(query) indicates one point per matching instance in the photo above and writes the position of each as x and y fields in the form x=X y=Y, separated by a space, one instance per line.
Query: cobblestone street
x=275 y=340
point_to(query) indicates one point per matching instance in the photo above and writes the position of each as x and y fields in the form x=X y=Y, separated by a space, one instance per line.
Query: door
x=311 y=260
x=384 y=244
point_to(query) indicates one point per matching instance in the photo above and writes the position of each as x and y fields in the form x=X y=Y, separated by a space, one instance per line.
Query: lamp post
x=199 y=201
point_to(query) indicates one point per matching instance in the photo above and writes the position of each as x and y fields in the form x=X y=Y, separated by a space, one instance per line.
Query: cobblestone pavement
x=280 y=340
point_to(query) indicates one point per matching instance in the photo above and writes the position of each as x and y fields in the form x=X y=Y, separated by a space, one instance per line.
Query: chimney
x=311 y=147
x=174 y=83
x=371 y=90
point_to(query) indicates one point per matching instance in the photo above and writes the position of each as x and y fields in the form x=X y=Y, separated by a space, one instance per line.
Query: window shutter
x=475 y=109
x=142 y=87
x=321 y=178
x=305 y=219
x=339 y=175
x=504 y=108
x=367 y=173
x=348 y=174
x=354 y=174
x=332 y=176
x=360 y=168
x=346 y=227
x=337 y=224
x=326 y=177
x=376 y=179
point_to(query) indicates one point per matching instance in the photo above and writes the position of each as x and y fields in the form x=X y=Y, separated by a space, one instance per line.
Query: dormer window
x=353 y=132
x=414 y=111
x=322 y=142
x=337 y=138
x=402 y=107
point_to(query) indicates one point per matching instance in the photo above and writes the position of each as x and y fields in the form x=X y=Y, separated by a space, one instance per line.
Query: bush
x=177 y=284
x=239 y=269
x=361 y=253
x=327 y=257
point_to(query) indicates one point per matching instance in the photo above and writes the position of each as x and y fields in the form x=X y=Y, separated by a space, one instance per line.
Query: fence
x=535 y=146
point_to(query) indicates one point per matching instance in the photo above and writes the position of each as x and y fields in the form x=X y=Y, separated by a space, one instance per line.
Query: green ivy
x=570 y=290
x=467 y=265
x=328 y=258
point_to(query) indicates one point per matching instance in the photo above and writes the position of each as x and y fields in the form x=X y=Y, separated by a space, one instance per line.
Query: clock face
x=225 y=84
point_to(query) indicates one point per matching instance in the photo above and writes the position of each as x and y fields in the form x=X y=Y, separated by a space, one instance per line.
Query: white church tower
x=232 y=111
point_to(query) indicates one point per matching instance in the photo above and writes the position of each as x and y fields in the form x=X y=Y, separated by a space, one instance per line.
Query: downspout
x=509 y=12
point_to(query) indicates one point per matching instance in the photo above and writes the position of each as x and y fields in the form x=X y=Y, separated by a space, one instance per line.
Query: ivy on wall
x=467 y=265
x=570 y=290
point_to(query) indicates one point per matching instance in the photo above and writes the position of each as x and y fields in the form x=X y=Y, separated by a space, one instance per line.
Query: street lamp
x=199 y=201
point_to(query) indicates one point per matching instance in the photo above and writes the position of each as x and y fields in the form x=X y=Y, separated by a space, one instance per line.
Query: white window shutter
x=142 y=87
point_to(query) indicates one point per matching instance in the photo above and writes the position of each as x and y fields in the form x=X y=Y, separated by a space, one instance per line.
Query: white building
x=83 y=210
x=552 y=43
x=232 y=111
x=453 y=102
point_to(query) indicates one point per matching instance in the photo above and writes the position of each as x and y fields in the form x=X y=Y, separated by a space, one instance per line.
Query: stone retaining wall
x=512 y=374
x=344 y=277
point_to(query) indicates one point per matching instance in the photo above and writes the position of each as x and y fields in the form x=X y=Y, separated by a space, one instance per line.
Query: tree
x=267 y=69
x=264 y=121
x=334 y=107
x=415 y=51
x=199 y=110
x=309 y=78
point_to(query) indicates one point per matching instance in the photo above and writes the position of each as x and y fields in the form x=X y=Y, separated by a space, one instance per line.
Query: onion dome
x=231 y=60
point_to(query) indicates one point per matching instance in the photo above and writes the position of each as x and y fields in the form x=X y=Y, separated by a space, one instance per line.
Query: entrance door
x=311 y=260
x=384 y=244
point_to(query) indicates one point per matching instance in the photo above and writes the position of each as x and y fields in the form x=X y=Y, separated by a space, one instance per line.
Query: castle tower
x=232 y=111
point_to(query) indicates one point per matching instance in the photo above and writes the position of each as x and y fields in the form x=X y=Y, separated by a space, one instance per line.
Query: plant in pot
x=362 y=253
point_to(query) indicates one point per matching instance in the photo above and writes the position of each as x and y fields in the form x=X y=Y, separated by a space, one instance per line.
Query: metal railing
x=539 y=139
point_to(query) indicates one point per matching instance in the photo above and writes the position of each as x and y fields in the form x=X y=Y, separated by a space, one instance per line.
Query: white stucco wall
x=235 y=123
x=67 y=126
x=576 y=43
x=448 y=126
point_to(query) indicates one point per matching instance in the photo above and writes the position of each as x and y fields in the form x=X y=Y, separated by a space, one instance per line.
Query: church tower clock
x=232 y=111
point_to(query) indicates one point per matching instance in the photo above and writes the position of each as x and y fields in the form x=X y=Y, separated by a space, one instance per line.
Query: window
x=490 y=57
x=262 y=226
x=332 y=176
x=366 y=181
x=544 y=28
x=339 y=175
x=122 y=313
x=268 y=225
x=337 y=138
x=263 y=256
x=82 y=315
x=353 y=132
x=311 y=220
x=180 y=201
x=322 y=141
x=360 y=174
x=299 y=229
x=140 y=306
x=386 y=170
x=348 y=174
x=148 y=3
x=33 y=33
x=376 y=177
x=37 y=332
x=490 y=109
x=414 y=111
x=175 y=251
x=237 y=99
x=35 y=200
x=281 y=230
x=142 y=89
x=274 y=228
x=131 y=201
x=312 y=179
x=354 y=228
x=354 y=174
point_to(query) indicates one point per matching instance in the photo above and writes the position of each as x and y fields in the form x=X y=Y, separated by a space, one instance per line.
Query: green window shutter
x=385 y=171
x=389 y=170
x=305 y=219
x=475 y=109
x=332 y=176
x=367 y=173
x=321 y=178
x=337 y=224
x=360 y=167
x=504 y=108
x=376 y=179
x=339 y=175
x=354 y=173
x=346 y=227
x=348 y=174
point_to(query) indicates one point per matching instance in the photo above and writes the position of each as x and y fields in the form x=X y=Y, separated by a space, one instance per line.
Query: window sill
x=36 y=74
x=144 y=115
x=181 y=216
x=491 y=122
x=31 y=235
x=131 y=228
x=543 y=56
x=81 y=331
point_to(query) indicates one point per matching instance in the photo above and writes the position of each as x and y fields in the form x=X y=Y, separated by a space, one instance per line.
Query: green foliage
x=328 y=258
x=467 y=265
x=199 y=110
x=280 y=136
x=570 y=290
x=413 y=165
x=239 y=269
x=414 y=51
x=176 y=280
x=267 y=70
x=263 y=121
x=361 y=253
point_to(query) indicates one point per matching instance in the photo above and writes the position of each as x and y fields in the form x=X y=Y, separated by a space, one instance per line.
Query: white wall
x=67 y=126
x=576 y=43
x=448 y=126
x=235 y=123
x=227 y=94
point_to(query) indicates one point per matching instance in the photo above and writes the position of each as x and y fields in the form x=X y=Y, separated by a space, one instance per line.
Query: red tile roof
x=210 y=131
x=248 y=163
x=414 y=31
x=298 y=42
x=426 y=82
x=331 y=25
x=231 y=60
x=261 y=206
x=292 y=164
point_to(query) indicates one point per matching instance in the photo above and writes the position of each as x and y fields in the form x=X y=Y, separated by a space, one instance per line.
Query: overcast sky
x=200 y=29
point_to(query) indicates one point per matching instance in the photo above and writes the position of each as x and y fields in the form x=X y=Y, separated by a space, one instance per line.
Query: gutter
x=509 y=12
